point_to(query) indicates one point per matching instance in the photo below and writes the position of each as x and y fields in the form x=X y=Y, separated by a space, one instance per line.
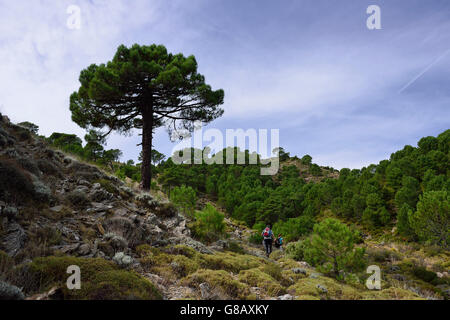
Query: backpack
x=277 y=243
x=266 y=233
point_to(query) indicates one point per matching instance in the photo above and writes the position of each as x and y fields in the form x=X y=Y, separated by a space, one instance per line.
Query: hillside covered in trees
x=410 y=192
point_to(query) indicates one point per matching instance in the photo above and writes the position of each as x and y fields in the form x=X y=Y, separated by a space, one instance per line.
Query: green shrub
x=48 y=236
x=101 y=279
x=293 y=228
x=296 y=250
x=273 y=270
x=166 y=210
x=403 y=226
x=431 y=221
x=221 y=281
x=108 y=186
x=184 y=198
x=423 y=274
x=263 y=280
x=233 y=246
x=209 y=224
x=332 y=248
x=255 y=238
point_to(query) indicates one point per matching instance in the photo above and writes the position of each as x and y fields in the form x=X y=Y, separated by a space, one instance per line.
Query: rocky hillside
x=57 y=211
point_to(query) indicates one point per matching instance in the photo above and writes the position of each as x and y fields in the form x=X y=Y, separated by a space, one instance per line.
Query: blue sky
x=311 y=69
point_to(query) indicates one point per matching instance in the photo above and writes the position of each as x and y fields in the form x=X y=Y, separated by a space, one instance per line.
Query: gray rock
x=299 y=271
x=322 y=288
x=83 y=182
x=42 y=192
x=69 y=248
x=285 y=297
x=146 y=200
x=315 y=275
x=99 y=207
x=56 y=209
x=84 y=249
x=304 y=264
x=10 y=292
x=122 y=259
x=206 y=292
x=127 y=190
x=116 y=241
x=14 y=238
x=200 y=247
x=81 y=189
x=100 y=195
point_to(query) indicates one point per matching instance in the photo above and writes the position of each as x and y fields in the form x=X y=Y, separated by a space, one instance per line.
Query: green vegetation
x=209 y=224
x=185 y=199
x=101 y=279
x=332 y=248
x=144 y=87
x=375 y=196
x=431 y=221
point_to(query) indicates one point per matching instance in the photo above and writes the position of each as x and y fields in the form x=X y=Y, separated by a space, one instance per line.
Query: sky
x=346 y=95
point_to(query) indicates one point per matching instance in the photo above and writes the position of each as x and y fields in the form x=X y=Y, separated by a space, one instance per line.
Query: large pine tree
x=144 y=87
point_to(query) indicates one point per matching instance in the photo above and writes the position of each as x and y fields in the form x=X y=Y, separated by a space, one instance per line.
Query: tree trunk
x=147 y=136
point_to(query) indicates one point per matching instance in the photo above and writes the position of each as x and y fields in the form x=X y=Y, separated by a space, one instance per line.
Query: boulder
x=14 y=238
x=285 y=297
x=322 y=288
x=10 y=292
x=122 y=259
x=299 y=271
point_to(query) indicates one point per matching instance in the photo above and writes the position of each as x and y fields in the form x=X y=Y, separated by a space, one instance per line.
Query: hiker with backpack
x=268 y=238
x=279 y=242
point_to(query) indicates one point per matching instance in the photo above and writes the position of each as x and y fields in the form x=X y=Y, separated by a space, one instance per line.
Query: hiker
x=279 y=242
x=268 y=238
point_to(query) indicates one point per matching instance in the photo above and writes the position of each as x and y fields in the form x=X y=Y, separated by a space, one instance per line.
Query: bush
x=29 y=165
x=233 y=246
x=78 y=198
x=221 y=281
x=184 y=198
x=166 y=210
x=255 y=238
x=101 y=279
x=15 y=184
x=431 y=221
x=332 y=248
x=229 y=261
x=256 y=278
x=108 y=186
x=423 y=274
x=403 y=226
x=209 y=224
x=296 y=250
x=294 y=228
x=48 y=167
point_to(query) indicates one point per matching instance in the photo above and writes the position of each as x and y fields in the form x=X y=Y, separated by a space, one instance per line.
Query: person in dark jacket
x=268 y=239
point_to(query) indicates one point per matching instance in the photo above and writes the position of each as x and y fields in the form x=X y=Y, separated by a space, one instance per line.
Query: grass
x=224 y=284
x=100 y=279
x=256 y=278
